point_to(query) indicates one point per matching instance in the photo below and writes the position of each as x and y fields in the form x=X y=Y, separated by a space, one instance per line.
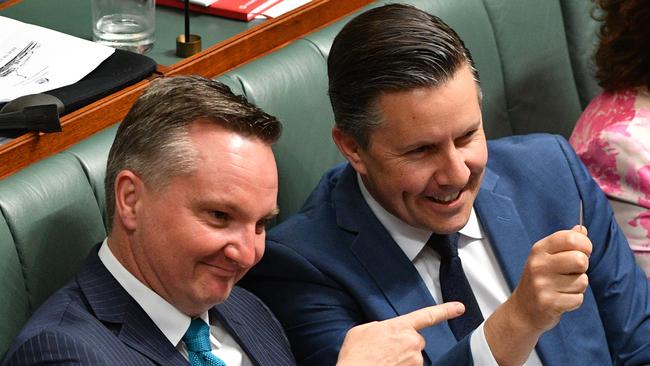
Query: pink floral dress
x=612 y=137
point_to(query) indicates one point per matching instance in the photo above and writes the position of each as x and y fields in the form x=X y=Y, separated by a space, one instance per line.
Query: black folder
x=119 y=70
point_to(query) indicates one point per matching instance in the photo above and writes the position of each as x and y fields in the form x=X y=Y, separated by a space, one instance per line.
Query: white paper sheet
x=282 y=7
x=35 y=59
x=205 y=3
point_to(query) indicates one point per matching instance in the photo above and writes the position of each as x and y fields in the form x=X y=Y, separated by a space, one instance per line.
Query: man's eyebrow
x=475 y=126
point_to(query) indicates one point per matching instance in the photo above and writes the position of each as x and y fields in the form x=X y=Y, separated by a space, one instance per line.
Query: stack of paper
x=35 y=59
x=283 y=7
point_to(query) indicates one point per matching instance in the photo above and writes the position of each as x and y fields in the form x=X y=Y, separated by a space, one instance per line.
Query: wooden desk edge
x=9 y=3
x=273 y=34
x=76 y=126
x=247 y=46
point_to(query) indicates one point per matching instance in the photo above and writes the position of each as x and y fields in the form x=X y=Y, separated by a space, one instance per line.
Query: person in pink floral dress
x=612 y=136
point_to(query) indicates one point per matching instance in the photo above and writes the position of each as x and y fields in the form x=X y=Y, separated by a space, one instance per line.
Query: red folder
x=235 y=9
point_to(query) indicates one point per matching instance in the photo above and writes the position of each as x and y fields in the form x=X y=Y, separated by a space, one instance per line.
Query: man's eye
x=468 y=136
x=260 y=226
x=419 y=150
x=263 y=222
x=220 y=216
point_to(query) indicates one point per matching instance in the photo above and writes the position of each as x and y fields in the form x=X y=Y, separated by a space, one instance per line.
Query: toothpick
x=581 y=212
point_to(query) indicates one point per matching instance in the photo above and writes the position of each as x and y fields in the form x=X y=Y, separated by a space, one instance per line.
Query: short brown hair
x=153 y=139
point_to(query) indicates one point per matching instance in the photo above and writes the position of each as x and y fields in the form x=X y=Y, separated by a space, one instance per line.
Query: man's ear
x=128 y=192
x=350 y=149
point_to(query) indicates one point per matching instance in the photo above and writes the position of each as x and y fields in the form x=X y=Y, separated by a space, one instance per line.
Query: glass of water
x=124 y=24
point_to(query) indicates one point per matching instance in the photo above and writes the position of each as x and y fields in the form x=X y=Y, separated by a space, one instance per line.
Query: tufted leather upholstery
x=533 y=57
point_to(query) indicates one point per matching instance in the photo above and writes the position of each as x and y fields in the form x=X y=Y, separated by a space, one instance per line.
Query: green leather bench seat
x=54 y=219
x=292 y=85
x=92 y=154
x=14 y=306
x=533 y=57
x=50 y=220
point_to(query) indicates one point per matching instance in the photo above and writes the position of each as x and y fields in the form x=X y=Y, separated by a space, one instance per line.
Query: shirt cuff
x=481 y=353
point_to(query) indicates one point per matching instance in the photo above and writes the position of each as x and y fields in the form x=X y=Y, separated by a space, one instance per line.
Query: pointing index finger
x=426 y=317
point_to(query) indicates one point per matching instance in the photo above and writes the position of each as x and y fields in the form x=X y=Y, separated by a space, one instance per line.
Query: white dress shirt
x=479 y=264
x=171 y=322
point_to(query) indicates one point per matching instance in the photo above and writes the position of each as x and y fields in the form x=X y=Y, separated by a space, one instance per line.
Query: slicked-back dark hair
x=153 y=139
x=386 y=49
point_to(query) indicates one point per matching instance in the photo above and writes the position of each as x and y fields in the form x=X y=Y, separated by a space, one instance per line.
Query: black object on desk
x=187 y=44
x=119 y=70
x=34 y=112
x=42 y=118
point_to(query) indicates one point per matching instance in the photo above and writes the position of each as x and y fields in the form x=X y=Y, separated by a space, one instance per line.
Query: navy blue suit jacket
x=94 y=321
x=333 y=265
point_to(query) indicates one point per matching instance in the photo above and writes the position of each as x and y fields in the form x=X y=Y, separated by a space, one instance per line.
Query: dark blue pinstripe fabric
x=93 y=321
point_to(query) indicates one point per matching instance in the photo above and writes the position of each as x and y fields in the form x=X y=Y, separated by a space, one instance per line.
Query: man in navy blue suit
x=190 y=183
x=419 y=215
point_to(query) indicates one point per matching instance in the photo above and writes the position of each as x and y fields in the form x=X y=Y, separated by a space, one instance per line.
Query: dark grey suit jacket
x=94 y=321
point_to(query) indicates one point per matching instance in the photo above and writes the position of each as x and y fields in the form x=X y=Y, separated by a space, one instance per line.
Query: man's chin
x=443 y=222
x=216 y=295
x=447 y=224
x=220 y=297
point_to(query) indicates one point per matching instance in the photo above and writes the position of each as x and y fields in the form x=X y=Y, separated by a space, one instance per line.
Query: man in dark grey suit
x=190 y=183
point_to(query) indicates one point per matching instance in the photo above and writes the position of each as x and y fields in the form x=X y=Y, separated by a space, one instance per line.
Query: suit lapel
x=112 y=304
x=140 y=333
x=511 y=244
x=384 y=260
x=231 y=317
x=502 y=223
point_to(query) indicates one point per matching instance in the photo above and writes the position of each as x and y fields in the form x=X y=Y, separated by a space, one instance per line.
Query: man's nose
x=242 y=249
x=452 y=169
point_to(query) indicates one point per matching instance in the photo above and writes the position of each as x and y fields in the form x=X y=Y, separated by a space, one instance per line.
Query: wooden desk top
x=56 y=15
x=223 y=56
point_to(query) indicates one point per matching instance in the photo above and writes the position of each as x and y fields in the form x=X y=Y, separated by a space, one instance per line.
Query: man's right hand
x=553 y=282
x=394 y=341
x=554 y=278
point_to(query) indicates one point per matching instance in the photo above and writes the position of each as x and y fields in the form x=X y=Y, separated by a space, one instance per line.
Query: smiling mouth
x=222 y=272
x=445 y=199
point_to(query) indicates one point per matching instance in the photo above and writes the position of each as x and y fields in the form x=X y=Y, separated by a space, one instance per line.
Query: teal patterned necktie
x=197 y=341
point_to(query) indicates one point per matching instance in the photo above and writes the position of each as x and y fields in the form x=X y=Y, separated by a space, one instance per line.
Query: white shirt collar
x=411 y=239
x=171 y=321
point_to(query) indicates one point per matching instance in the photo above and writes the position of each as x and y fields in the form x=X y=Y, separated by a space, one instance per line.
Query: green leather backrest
x=54 y=219
x=291 y=84
x=14 y=307
x=541 y=94
x=581 y=31
x=92 y=154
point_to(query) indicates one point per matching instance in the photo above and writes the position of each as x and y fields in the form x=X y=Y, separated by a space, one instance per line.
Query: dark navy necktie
x=454 y=284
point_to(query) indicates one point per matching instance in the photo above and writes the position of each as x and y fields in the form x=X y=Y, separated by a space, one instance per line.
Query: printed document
x=35 y=59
